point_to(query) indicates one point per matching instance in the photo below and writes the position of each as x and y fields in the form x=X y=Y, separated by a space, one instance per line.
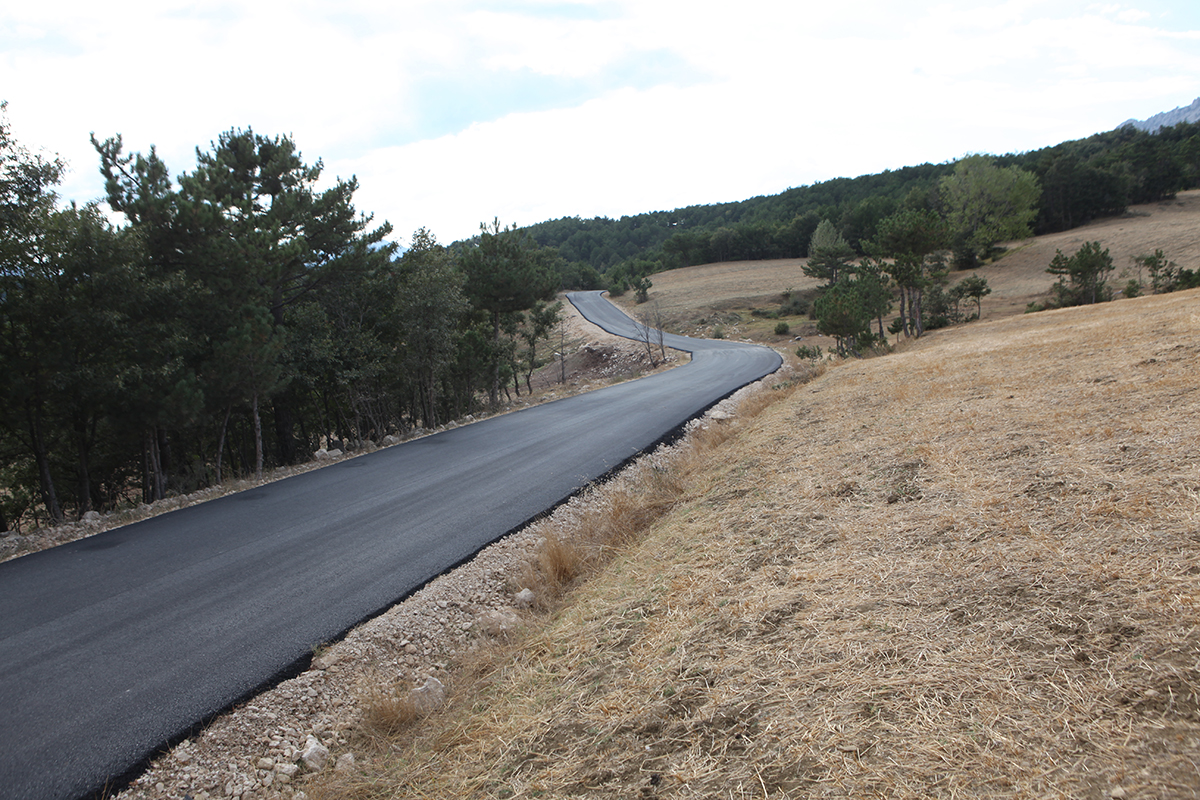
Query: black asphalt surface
x=113 y=646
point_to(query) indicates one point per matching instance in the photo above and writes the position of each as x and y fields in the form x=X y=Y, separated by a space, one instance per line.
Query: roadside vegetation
x=241 y=319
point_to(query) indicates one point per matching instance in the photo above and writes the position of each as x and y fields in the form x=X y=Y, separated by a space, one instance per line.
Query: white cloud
x=777 y=94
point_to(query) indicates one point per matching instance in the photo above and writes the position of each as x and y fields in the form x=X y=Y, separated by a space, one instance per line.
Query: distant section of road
x=113 y=646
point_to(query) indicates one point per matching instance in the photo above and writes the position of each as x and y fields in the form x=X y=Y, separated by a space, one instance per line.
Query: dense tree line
x=1080 y=180
x=241 y=318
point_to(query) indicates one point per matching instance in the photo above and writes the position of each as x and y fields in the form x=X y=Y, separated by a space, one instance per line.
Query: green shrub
x=718 y=332
x=797 y=305
x=1133 y=289
x=782 y=329
x=808 y=353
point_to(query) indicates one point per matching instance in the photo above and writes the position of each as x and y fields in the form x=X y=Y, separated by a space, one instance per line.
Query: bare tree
x=651 y=336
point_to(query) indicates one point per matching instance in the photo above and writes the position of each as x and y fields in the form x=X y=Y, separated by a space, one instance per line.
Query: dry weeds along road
x=272 y=746
x=970 y=569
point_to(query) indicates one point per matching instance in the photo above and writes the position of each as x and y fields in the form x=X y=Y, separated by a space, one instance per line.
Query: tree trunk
x=221 y=440
x=915 y=307
x=154 y=483
x=494 y=391
x=42 y=459
x=258 y=448
x=284 y=436
x=81 y=465
x=429 y=401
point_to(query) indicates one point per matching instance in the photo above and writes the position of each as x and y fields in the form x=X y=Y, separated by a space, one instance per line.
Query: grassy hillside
x=696 y=298
x=968 y=569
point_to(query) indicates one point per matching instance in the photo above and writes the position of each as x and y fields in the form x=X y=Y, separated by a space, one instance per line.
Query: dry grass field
x=696 y=298
x=967 y=569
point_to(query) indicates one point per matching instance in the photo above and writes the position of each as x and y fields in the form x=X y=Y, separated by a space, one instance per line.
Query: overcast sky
x=453 y=112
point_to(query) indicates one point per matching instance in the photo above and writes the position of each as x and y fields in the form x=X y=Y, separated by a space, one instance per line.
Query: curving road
x=114 y=646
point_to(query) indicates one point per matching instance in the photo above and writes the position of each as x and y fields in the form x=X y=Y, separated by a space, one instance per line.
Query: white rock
x=335 y=453
x=524 y=598
x=314 y=755
x=324 y=661
x=430 y=697
x=91 y=518
x=498 y=621
x=321 y=454
x=345 y=762
x=287 y=770
x=266 y=763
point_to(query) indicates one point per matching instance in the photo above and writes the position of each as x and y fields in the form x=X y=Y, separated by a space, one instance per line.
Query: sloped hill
x=712 y=291
x=968 y=569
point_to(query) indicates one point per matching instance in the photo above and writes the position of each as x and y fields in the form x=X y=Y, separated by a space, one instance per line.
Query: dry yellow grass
x=711 y=291
x=970 y=569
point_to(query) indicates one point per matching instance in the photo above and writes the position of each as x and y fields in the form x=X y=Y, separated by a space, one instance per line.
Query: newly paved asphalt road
x=112 y=646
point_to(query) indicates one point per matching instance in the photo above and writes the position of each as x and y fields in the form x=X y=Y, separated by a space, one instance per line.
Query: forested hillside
x=1081 y=180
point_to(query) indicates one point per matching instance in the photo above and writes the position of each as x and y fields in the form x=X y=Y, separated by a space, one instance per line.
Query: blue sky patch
x=447 y=103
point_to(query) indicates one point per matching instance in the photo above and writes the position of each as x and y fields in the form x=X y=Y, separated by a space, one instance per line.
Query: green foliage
x=430 y=304
x=245 y=305
x=829 y=254
x=912 y=238
x=986 y=204
x=1082 y=276
x=937 y=308
x=578 y=276
x=809 y=353
x=874 y=289
x=1133 y=288
x=507 y=272
x=782 y=329
x=1165 y=275
x=973 y=287
x=641 y=287
x=842 y=314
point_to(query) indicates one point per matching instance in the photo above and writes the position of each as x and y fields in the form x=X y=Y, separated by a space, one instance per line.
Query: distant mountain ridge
x=1167 y=118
